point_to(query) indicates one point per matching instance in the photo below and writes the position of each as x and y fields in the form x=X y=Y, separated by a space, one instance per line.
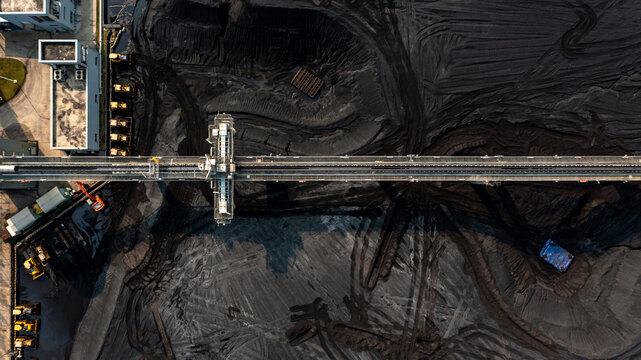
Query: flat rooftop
x=58 y=50
x=21 y=5
x=69 y=127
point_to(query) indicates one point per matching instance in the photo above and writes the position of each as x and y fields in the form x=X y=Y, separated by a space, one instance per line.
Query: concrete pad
x=5 y=251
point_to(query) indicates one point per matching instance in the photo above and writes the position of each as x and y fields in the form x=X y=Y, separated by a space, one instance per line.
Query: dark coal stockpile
x=383 y=270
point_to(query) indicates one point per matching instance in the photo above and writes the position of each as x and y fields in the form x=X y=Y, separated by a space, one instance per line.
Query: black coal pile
x=400 y=271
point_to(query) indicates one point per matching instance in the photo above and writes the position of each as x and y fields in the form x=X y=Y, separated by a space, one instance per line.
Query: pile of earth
x=434 y=78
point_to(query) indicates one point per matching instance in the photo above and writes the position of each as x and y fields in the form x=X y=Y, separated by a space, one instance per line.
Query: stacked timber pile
x=307 y=82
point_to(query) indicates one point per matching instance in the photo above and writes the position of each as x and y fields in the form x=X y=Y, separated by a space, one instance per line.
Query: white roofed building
x=44 y=15
x=75 y=94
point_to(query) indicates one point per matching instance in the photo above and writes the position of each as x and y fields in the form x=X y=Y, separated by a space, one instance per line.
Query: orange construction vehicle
x=96 y=202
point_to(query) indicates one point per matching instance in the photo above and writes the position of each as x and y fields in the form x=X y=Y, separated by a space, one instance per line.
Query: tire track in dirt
x=477 y=268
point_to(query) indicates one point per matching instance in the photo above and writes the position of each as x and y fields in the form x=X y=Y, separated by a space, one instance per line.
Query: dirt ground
x=383 y=270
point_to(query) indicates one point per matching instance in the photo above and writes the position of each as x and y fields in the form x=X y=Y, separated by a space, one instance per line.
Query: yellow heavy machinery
x=127 y=89
x=27 y=325
x=43 y=255
x=120 y=122
x=119 y=137
x=26 y=309
x=120 y=58
x=35 y=267
x=119 y=105
x=118 y=152
x=24 y=341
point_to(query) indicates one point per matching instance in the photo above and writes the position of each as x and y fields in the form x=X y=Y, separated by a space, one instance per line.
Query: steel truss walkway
x=222 y=168
x=324 y=168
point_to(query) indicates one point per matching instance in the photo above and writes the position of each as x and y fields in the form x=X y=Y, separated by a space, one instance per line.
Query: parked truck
x=119 y=137
x=43 y=255
x=125 y=89
x=30 y=309
x=124 y=123
x=28 y=216
x=120 y=58
x=24 y=341
x=556 y=256
x=118 y=152
x=119 y=105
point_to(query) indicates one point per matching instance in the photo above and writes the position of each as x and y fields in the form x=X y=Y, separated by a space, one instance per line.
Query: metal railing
x=326 y=168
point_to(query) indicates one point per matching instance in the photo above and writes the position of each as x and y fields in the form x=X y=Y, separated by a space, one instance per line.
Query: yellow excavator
x=27 y=325
x=35 y=267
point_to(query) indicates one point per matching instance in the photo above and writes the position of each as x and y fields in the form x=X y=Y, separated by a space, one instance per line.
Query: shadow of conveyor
x=582 y=226
x=177 y=220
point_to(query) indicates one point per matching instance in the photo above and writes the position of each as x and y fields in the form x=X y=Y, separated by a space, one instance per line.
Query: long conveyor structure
x=323 y=168
x=222 y=168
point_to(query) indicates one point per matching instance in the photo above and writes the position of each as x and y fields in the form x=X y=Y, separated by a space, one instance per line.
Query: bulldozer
x=118 y=152
x=43 y=255
x=26 y=309
x=27 y=325
x=118 y=105
x=120 y=58
x=24 y=341
x=119 y=137
x=127 y=89
x=35 y=267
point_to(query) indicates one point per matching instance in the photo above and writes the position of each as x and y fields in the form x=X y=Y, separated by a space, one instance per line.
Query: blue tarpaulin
x=556 y=256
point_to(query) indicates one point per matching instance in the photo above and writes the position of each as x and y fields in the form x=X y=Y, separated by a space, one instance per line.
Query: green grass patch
x=12 y=69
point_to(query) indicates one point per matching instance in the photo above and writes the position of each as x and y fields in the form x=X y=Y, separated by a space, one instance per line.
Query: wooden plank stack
x=307 y=82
